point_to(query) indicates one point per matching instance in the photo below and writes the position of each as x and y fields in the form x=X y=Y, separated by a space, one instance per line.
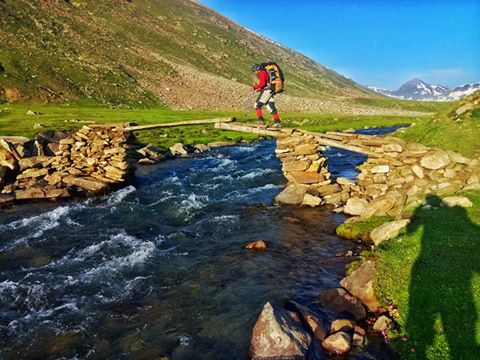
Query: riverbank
x=428 y=275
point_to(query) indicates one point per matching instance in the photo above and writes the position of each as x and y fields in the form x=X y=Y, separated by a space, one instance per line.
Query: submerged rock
x=338 y=343
x=278 y=334
x=256 y=245
x=339 y=300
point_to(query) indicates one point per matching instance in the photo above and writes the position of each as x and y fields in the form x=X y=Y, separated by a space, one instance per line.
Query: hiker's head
x=256 y=67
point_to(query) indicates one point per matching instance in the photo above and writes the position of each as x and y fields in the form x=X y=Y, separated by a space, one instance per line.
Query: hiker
x=266 y=95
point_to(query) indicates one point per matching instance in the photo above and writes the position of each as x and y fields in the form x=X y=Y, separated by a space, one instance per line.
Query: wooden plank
x=250 y=129
x=179 y=123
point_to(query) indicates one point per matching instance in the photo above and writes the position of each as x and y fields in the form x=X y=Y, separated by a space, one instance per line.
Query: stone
x=314 y=323
x=178 y=149
x=316 y=165
x=338 y=343
x=346 y=325
x=378 y=207
x=201 y=148
x=278 y=334
x=293 y=194
x=306 y=149
x=417 y=170
x=328 y=189
x=296 y=165
x=415 y=148
x=256 y=245
x=87 y=183
x=7 y=159
x=305 y=177
x=32 y=173
x=388 y=231
x=360 y=284
x=463 y=109
x=392 y=148
x=6 y=199
x=345 y=182
x=146 y=161
x=451 y=201
x=380 y=169
x=29 y=194
x=383 y=323
x=311 y=200
x=33 y=161
x=435 y=160
x=458 y=158
x=355 y=206
x=339 y=300
x=359 y=334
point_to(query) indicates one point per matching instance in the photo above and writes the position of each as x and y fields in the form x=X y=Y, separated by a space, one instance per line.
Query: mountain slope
x=145 y=52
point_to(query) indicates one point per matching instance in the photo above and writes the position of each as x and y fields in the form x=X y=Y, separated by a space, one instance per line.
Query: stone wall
x=89 y=161
x=398 y=177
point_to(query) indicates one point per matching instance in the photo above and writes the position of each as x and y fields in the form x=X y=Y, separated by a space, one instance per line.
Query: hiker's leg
x=258 y=107
x=273 y=110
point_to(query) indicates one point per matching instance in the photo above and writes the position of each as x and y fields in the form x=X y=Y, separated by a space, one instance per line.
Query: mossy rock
x=360 y=230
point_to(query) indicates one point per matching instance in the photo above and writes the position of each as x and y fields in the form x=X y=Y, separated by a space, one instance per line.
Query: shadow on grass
x=441 y=307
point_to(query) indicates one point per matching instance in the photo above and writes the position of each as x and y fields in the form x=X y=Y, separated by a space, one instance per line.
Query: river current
x=160 y=267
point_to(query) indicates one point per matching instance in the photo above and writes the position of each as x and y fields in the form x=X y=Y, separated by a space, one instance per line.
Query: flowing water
x=160 y=268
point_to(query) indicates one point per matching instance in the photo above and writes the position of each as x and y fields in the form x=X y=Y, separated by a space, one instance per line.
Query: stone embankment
x=395 y=179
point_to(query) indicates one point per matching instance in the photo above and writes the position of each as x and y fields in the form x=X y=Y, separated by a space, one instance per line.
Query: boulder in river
x=314 y=323
x=293 y=194
x=278 y=334
x=360 y=285
x=339 y=300
x=355 y=206
x=178 y=149
x=256 y=245
x=338 y=343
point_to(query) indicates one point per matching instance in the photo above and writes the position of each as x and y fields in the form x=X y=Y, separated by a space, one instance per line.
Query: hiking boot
x=261 y=121
x=277 y=124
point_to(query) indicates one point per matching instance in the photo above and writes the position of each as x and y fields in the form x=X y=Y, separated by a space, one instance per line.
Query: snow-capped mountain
x=417 y=89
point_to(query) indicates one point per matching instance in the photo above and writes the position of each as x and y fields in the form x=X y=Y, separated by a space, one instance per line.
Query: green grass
x=15 y=121
x=446 y=130
x=433 y=274
x=361 y=229
x=412 y=105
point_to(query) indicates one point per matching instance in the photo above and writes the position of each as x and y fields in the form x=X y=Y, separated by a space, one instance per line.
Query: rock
x=435 y=160
x=38 y=126
x=355 y=206
x=6 y=199
x=417 y=170
x=338 y=343
x=458 y=158
x=146 y=161
x=388 y=231
x=456 y=201
x=30 y=112
x=315 y=324
x=392 y=148
x=379 y=207
x=87 y=183
x=256 y=245
x=278 y=334
x=293 y=194
x=311 y=200
x=359 y=334
x=463 y=109
x=360 y=285
x=33 y=162
x=7 y=159
x=199 y=148
x=305 y=177
x=346 y=182
x=306 y=149
x=383 y=323
x=380 y=169
x=178 y=149
x=296 y=165
x=341 y=301
x=345 y=325
x=29 y=194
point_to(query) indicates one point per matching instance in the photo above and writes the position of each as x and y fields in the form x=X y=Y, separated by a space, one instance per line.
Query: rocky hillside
x=146 y=52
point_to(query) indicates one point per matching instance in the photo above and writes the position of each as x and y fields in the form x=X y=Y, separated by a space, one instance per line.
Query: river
x=160 y=267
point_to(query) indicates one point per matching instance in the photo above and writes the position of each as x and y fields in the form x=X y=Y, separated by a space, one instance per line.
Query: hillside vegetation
x=456 y=127
x=143 y=53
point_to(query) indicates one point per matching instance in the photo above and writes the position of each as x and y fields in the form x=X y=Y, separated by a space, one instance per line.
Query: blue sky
x=375 y=42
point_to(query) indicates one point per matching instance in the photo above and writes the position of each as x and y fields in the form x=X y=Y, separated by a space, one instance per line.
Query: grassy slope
x=108 y=51
x=432 y=272
x=449 y=131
